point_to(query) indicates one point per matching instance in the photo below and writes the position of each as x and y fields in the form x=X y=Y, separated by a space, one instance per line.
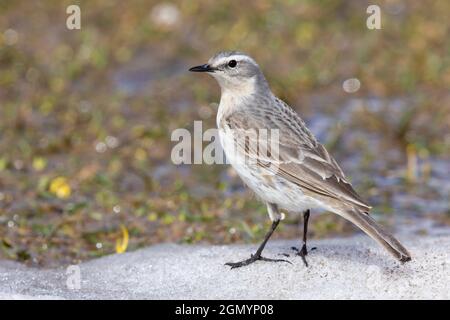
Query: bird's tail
x=376 y=232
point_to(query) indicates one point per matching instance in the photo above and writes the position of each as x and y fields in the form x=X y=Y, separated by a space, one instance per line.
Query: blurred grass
x=95 y=108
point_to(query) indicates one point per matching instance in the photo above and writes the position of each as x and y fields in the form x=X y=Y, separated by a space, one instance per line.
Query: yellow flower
x=60 y=188
x=3 y=164
x=168 y=219
x=122 y=244
x=140 y=154
x=39 y=163
x=182 y=217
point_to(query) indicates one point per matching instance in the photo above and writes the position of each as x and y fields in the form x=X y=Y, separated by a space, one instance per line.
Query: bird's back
x=301 y=161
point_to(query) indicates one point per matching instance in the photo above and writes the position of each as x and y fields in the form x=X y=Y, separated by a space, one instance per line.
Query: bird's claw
x=253 y=258
x=303 y=252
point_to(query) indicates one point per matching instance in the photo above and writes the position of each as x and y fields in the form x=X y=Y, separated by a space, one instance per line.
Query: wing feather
x=304 y=162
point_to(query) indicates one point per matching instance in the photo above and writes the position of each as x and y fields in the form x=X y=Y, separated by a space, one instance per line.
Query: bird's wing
x=300 y=158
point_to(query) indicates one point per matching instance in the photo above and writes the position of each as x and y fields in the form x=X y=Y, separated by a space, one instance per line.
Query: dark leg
x=303 y=252
x=257 y=256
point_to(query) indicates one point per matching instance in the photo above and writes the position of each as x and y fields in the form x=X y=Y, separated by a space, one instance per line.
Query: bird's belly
x=273 y=189
x=268 y=187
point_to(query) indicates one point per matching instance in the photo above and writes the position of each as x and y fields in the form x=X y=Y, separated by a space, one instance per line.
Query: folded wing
x=300 y=158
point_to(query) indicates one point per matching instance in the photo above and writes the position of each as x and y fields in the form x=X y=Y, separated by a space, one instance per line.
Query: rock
x=350 y=268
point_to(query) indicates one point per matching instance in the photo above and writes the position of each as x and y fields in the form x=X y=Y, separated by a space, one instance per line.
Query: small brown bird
x=295 y=172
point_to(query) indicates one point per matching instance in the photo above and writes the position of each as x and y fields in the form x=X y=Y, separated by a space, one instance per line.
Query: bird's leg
x=304 y=251
x=257 y=256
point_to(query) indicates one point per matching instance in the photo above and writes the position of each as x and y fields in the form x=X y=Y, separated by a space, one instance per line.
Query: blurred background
x=86 y=118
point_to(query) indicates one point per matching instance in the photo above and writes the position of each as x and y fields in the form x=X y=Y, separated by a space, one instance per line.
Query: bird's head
x=235 y=72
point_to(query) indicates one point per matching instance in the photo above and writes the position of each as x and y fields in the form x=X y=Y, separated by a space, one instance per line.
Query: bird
x=289 y=170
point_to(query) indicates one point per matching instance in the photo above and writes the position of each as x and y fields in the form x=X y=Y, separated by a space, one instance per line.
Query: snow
x=348 y=268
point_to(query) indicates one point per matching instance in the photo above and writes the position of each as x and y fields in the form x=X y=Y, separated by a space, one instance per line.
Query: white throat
x=234 y=95
x=237 y=88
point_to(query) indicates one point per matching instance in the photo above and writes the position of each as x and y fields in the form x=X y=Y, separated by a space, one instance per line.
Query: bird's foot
x=303 y=252
x=252 y=259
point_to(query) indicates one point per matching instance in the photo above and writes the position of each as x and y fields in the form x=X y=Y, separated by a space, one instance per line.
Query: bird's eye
x=232 y=63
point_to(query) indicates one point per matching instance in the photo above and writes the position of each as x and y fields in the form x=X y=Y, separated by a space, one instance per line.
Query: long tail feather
x=376 y=232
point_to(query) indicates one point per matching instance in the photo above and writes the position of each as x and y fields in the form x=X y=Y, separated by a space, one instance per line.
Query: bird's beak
x=202 y=68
